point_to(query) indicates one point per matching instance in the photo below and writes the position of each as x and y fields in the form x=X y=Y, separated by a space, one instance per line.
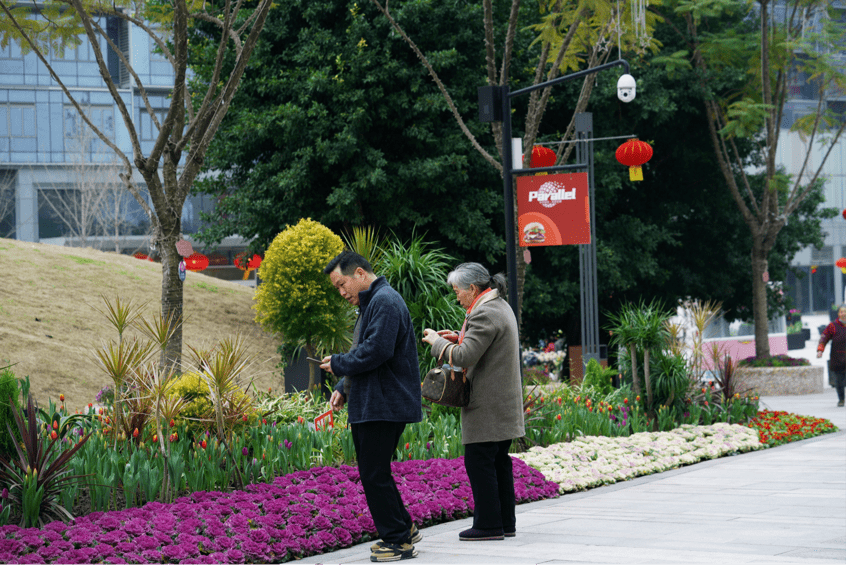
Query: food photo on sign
x=553 y=210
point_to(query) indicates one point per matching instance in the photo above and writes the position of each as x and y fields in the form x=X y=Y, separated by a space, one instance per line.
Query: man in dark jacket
x=382 y=377
x=836 y=333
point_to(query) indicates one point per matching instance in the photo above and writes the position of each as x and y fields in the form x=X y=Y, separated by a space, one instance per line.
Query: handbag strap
x=452 y=367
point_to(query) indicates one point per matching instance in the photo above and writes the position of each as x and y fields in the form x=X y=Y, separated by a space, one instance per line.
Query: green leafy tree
x=773 y=46
x=660 y=238
x=188 y=124
x=296 y=300
x=338 y=122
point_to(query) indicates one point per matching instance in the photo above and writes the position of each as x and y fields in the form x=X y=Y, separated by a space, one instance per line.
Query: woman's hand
x=819 y=354
x=430 y=336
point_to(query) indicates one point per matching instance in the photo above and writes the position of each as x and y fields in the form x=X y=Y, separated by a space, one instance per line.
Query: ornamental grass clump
x=39 y=472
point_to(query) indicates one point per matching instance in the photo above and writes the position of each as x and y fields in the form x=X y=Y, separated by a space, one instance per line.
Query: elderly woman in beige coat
x=488 y=347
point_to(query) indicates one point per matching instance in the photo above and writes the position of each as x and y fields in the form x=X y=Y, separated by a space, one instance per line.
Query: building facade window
x=17 y=127
x=78 y=136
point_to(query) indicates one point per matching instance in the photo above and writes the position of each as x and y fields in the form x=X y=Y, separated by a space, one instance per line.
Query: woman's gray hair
x=466 y=274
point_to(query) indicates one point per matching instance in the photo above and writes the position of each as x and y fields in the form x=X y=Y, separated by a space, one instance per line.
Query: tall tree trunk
x=760 y=277
x=646 y=378
x=635 y=380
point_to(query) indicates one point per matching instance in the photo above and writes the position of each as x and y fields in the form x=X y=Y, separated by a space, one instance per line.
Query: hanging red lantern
x=542 y=157
x=633 y=154
x=196 y=262
x=241 y=262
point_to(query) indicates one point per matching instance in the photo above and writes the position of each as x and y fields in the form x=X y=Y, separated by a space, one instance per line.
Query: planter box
x=807 y=333
x=778 y=381
x=796 y=341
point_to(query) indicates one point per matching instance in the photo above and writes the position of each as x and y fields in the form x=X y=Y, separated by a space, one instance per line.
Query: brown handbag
x=446 y=386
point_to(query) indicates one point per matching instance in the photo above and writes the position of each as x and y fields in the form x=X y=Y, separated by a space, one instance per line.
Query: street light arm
x=565 y=78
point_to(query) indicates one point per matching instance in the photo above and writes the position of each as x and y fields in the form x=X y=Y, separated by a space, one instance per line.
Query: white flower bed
x=593 y=461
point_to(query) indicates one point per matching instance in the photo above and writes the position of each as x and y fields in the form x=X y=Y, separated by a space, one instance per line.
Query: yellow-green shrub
x=295 y=298
x=198 y=411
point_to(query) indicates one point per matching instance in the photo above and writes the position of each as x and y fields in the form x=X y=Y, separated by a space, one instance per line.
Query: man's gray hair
x=466 y=274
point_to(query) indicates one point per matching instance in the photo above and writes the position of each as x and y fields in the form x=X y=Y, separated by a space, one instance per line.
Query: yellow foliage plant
x=296 y=299
x=198 y=410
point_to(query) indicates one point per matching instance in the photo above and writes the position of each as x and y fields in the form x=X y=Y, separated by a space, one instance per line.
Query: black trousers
x=491 y=476
x=375 y=443
x=839 y=378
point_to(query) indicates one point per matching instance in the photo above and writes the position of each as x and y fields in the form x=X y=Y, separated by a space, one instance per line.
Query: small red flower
x=90 y=405
x=300 y=419
x=61 y=398
x=53 y=435
x=264 y=421
x=408 y=446
x=244 y=418
x=155 y=438
x=135 y=433
x=203 y=444
x=172 y=423
x=100 y=411
x=625 y=401
x=558 y=417
x=55 y=425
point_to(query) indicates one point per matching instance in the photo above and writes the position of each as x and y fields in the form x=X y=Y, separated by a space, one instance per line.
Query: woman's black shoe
x=480 y=535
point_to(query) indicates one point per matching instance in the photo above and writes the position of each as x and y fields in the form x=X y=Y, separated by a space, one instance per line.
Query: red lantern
x=633 y=154
x=253 y=263
x=542 y=157
x=196 y=262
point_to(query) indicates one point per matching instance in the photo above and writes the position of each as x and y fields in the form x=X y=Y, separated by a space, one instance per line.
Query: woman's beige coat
x=490 y=352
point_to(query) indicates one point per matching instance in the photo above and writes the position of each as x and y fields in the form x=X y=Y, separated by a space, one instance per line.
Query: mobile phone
x=313 y=360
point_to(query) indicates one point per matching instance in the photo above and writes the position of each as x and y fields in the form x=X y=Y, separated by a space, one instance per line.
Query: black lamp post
x=494 y=106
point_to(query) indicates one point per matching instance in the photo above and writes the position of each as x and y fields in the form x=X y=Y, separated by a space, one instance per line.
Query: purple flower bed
x=300 y=514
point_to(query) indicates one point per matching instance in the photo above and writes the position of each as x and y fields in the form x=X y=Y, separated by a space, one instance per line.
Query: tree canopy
x=337 y=120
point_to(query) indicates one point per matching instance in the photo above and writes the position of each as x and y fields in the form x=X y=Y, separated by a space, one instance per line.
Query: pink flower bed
x=300 y=514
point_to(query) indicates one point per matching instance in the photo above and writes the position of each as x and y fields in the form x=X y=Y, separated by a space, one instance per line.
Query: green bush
x=418 y=273
x=8 y=390
x=198 y=411
x=296 y=300
x=598 y=379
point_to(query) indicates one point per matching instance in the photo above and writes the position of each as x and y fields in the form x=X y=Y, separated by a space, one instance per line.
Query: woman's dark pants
x=492 y=480
x=839 y=378
x=375 y=443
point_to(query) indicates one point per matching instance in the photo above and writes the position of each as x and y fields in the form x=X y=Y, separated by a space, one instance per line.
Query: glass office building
x=46 y=151
x=58 y=181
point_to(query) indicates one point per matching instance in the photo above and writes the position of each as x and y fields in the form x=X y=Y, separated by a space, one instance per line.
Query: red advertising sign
x=553 y=209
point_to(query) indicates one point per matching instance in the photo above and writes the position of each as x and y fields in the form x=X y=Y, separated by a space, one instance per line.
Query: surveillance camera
x=626 y=88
